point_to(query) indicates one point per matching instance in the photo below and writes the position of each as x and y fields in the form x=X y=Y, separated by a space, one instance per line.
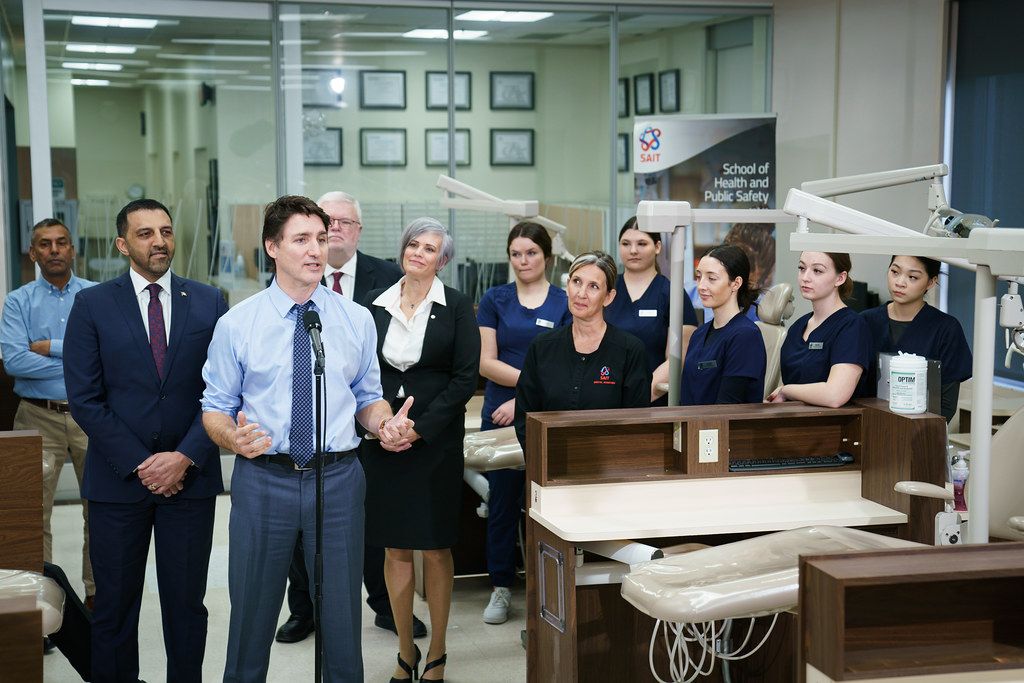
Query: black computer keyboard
x=756 y=464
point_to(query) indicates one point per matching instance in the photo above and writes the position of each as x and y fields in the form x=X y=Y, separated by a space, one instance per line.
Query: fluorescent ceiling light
x=442 y=34
x=90 y=81
x=91 y=66
x=101 y=49
x=113 y=22
x=219 y=41
x=322 y=16
x=251 y=88
x=256 y=77
x=365 y=53
x=502 y=15
x=368 y=34
x=213 y=58
x=197 y=70
x=121 y=61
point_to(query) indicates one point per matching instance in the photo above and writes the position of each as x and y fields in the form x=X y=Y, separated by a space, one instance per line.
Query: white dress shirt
x=142 y=294
x=348 y=277
x=403 y=341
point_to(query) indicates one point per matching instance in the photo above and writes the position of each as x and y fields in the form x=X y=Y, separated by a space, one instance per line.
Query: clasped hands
x=163 y=474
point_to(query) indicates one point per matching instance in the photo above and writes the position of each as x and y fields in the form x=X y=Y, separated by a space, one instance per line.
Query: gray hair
x=339 y=196
x=600 y=259
x=425 y=225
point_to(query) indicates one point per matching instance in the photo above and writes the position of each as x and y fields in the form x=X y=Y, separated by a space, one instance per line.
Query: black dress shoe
x=294 y=630
x=387 y=622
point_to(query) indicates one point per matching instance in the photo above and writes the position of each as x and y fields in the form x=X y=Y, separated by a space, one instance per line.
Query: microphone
x=311 y=321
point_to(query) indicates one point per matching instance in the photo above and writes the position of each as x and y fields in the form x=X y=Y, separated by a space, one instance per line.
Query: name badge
x=647 y=313
x=541 y=322
x=816 y=346
x=707 y=364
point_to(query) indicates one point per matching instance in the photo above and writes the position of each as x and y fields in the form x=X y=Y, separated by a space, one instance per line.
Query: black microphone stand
x=318 y=560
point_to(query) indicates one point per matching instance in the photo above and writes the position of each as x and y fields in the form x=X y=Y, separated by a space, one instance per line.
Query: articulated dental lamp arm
x=459 y=195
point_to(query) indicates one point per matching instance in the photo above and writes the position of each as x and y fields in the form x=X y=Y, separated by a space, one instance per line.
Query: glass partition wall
x=376 y=100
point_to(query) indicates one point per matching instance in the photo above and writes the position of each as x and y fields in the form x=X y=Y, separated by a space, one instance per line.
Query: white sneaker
x=497 y=609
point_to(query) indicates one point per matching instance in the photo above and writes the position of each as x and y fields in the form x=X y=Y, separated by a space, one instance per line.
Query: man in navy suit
x=352 y=274
x=133 y=368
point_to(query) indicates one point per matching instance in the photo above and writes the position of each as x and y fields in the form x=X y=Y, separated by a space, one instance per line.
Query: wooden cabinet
x=881 y=614
x=636 y=474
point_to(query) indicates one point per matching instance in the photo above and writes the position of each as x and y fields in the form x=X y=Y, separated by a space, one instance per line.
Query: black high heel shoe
x=440 y=661
x=411 y=670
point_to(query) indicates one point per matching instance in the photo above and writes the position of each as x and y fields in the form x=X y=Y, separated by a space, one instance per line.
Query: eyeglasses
x=344 y=223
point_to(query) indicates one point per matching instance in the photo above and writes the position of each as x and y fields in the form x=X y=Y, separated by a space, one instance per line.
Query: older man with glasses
x=352 y=274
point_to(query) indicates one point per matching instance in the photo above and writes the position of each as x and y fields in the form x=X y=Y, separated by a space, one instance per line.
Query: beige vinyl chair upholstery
x=775 y=307
x=1006 y=489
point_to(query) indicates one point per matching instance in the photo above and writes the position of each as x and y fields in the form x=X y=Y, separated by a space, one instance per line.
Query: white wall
x=858 y=88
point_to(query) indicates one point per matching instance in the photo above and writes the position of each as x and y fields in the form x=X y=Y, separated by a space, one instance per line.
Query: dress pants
x=182 y=529
x=62 y=437
x=271 y=505
x=300 y=600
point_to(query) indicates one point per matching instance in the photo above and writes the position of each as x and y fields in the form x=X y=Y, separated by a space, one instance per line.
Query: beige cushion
x=494 y=449
x=775 y=307
x=48 y=595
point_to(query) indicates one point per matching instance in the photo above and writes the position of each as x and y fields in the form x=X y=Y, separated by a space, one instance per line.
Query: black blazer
x=373 y=273
x=445 y=377
x=118 y=398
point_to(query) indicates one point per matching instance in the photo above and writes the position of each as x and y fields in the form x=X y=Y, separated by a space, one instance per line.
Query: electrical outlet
x=707 y=440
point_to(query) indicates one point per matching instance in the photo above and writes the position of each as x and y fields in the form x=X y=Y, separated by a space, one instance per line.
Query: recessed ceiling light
x=101 y=49
x=220 y=41
x=502 y=15
x=91 y=66
x=114 y=22
x=365 y=53
x=197 y=70
x=89 y=81
x=214 y=58
x=442 y=34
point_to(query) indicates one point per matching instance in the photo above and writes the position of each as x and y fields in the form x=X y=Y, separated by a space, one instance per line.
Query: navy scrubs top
x=932 y=334
x=736 y=350
x=515 y=326
x=843 y=337
x=647 y=317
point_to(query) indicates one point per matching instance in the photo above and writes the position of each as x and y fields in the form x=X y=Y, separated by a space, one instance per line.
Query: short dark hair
x=132 y=207
x=277 y=213
x=534 y=232
x=734 y=259
x=931 y=266
x=631 y=224
x=47 y=223
x=842 y=263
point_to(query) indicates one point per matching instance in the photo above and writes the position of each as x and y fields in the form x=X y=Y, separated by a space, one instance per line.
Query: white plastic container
x=908 y=383
x=960 y=474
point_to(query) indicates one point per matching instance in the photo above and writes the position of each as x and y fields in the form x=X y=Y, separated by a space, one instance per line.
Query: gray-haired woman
x=429 y=348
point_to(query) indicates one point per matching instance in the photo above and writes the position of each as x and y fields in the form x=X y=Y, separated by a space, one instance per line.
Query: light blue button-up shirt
x=249 y=365
x=32 y=313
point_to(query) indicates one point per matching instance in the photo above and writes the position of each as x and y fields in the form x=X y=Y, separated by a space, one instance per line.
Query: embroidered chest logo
x=605 y=376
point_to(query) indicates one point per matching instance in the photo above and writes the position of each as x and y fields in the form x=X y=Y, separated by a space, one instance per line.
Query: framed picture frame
x=316 y=88
x=511 y=147
x=436 y=146
x=622 y=152
x=623 y=98
x=643 y=94
x=668 y=90
x=322 y=149
x=382 y=147
x=437 y=90
x=512 y=90
x=381 y=89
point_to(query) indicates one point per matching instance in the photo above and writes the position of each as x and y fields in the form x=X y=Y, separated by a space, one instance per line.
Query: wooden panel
x=611 y=451
x=900 y=448
x=21 y=648
x=692 y=449
x=913 y=611
x=550 y=655
x=246 y=229
x=21 y=506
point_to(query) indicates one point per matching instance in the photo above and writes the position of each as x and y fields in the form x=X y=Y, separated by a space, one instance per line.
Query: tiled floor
x=476 y=651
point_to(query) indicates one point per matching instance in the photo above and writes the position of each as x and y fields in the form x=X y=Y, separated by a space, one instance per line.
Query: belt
x=285 y=460
x=59 y=406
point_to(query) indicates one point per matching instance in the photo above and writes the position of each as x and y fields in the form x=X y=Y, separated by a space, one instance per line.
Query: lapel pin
x=184 y=294
x=432 y=316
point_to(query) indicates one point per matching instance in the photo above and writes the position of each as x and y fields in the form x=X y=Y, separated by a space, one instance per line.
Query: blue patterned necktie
x=157 y=333
x=301 y=436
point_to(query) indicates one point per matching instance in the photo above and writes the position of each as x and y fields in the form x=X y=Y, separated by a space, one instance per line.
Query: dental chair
x=774 y=309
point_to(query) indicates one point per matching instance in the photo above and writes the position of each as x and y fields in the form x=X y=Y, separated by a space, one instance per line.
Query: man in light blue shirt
x=32 y=342
x=258 y=403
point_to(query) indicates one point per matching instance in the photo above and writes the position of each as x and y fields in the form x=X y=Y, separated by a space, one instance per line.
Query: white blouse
x=403 y=341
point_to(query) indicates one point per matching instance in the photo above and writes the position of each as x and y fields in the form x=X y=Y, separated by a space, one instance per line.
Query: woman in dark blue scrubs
x=725 y=360
x=910 y=325
x=510 y=316
x=828 y=351
x=641 y=300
